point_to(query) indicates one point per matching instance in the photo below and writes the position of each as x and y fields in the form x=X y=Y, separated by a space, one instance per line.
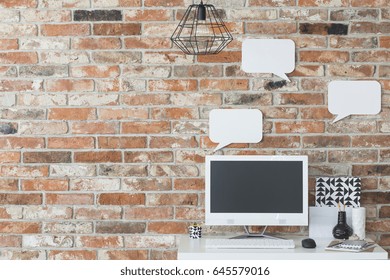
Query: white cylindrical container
x=359 y=222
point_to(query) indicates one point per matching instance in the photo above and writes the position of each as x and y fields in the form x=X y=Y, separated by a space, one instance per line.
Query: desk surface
x=195 y=249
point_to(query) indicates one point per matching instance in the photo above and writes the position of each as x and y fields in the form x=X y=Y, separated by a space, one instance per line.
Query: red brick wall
x=104 y=125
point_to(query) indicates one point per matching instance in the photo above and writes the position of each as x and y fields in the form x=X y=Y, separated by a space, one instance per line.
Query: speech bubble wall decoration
x=229 y=126
x=275 y=56
x=347 y=98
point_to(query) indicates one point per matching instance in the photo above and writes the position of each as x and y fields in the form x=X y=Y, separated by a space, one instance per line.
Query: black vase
x=342 y=230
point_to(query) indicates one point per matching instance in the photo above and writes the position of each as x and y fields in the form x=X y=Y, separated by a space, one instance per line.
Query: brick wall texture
x=104 y=124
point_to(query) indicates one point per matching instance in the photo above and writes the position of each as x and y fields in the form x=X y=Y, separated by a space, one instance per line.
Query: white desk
x=194 y=249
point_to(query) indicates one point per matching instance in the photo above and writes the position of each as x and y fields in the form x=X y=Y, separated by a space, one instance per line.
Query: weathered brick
x=150 y=241
x=123 y=170
x=172 y=85
x=8 y=30
x=370 y=27
x=46 y=157
x=19 y=4
x=317 y=113
x=148 y=213
x=147 y=43
x=172 y=199
x=69 y=199
x=371 y=170
x=372 y=56
x=168 y=227
x=24 y=171
x=303 y=14
x=8 y=128
x=47 y=241
x=21 y=142
x=121 y=142
x=70 y=143
x=149 y=156
x=271 y=3
x=99 y=241
x=43 y=71
x=349 y=14
x=9 y=157
x=65 y=29
x=100 y=156
x=95 y=184
x=174 y=113
x=147 y=71
x=20 y=199
x=351 y=70
x=117 y=57
x=11 y=212
x=43 y=128
x=92 y=71
x=324 y=56
x=121 y=199
x=163 y=255
x=323 y=28
x=189 y=184
x=46 y=212
x=120 y=227
x=98 y=213
x=225 y=85
x=384 y=212
x=323 y=3
x=222 y=57
x=72 y=255
x=10 y=241
x=371 y=141
x=167 y=57
x=69 y=85
x=147 y=15
x=123 y=254
x=45 y=185
x=96 y=43
x=72 y=114
x=24 y=254
x=72 y=170
x=9 y=44
x=335 y=141
x=354 y=43
x=95 y=127
x=8 y=185
x=21 y=86
x=155 y=127
x=55 y=57
x=68 y=227
x=271 y=28
x=189 y=213
x=19 y=227
x=351 y=126
x=44 y=43
x=147 y=184
x=173 y=142
x=363 y=156
x=110 y=29
x=97 y=15
x=174 y=171
x=299 y=127
x=262 y=99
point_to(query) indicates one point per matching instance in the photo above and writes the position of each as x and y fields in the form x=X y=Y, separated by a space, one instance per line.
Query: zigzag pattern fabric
x=331 y=191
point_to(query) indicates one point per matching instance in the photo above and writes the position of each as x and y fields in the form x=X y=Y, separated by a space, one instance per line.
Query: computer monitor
x=257 y=190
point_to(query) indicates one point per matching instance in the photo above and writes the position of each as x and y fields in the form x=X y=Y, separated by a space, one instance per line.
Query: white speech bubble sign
x=354 y=98
x=229 y=126
x=275 y=56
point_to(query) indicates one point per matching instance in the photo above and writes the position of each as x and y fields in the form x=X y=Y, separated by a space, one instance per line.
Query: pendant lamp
x=201 y=31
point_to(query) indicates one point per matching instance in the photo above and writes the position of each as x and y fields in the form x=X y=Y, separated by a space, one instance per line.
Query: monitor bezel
x=260 y=219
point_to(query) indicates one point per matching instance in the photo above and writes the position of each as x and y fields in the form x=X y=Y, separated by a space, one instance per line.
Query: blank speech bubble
x=235 y=126
x=275 y=56
x=354 y=98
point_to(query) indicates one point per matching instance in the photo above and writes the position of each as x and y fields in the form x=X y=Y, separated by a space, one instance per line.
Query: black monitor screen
x=256 y=187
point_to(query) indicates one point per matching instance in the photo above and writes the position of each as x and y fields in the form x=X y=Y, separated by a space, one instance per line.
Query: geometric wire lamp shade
x=201 y=31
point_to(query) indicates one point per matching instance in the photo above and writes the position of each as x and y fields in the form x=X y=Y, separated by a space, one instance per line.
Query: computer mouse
x=308 y=243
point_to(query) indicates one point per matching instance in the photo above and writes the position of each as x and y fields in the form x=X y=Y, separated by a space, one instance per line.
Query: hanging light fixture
x=201 y=31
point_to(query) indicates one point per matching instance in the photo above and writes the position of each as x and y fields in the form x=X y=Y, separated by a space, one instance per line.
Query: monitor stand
x=255 y=235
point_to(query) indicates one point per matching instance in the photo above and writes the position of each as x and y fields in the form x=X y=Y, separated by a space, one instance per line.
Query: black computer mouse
x=308 y=243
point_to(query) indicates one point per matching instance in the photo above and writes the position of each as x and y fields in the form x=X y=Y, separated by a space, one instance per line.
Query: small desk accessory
x=342 y=230
x=195 y=231
x=350 y=246
x=359 y=222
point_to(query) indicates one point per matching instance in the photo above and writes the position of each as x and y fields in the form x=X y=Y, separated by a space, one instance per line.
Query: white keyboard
x=250 y=243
